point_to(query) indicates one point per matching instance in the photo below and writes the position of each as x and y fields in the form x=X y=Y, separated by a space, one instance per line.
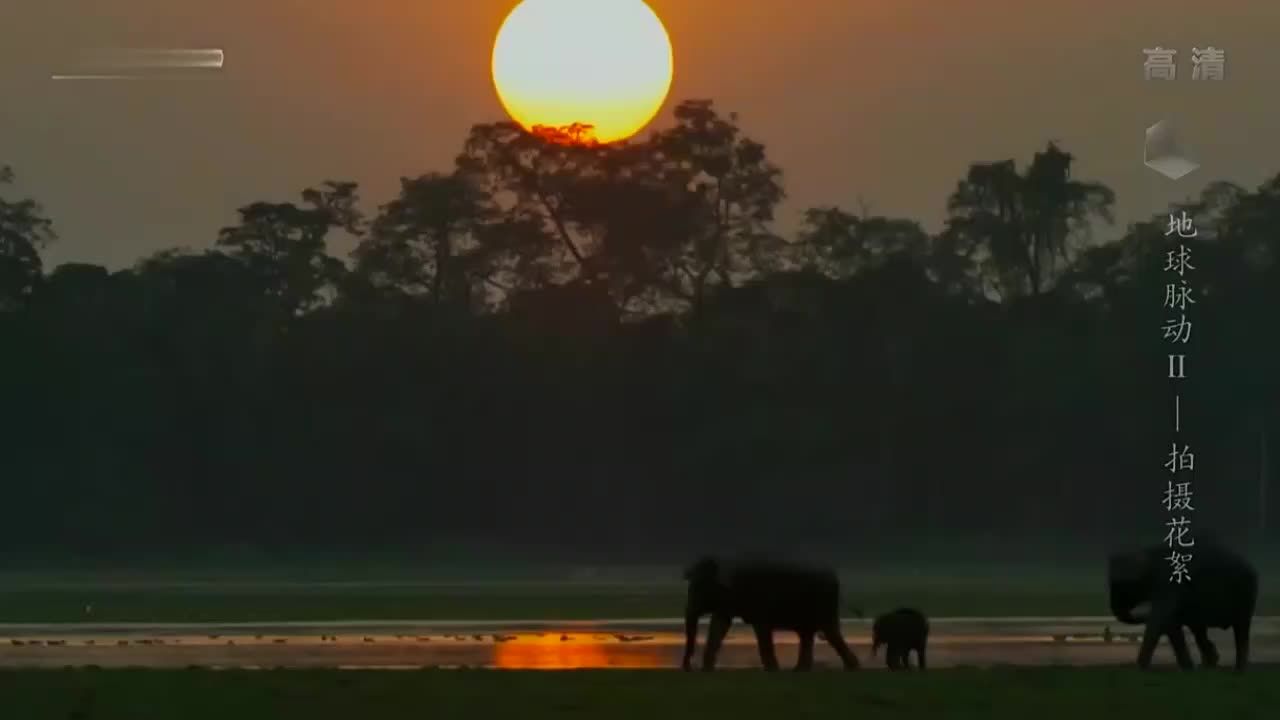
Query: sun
x=606 y=63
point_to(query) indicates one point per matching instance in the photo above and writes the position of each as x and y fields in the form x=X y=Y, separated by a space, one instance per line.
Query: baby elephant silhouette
x=900 y=631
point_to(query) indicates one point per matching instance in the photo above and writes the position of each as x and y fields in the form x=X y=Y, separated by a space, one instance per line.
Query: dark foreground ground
x=1042 y=693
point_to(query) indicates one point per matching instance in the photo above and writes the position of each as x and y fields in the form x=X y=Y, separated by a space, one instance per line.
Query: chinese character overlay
x=1179 y=296
x=1182 y=224
x=1180 y=460
x=1178 y=330
x=1178 y=562
x=1179 y=261
x=1179 y=529
x=1160 y=64
x=1208 y=64
x=1178 y=497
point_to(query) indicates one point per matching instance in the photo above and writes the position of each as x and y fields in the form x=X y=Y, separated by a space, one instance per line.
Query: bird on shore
x=1107 y=636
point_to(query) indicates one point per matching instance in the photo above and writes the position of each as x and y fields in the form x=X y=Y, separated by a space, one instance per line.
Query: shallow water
x=518 y=644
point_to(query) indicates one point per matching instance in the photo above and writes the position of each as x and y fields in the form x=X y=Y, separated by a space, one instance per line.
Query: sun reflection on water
x=550 y=652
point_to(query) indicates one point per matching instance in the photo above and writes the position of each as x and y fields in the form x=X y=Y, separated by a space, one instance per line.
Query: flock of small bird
x=495 y=637
x=1107 y=636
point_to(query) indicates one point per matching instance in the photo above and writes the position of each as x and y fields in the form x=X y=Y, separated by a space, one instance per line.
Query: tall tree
x=737 y=190
x=1028 y=226
x=24 y=231
x=283 y=244
x=840 y=244
x=425 y=241
x=532 y=181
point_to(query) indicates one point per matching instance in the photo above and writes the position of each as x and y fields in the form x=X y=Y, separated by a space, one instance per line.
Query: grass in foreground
x=1043 y=693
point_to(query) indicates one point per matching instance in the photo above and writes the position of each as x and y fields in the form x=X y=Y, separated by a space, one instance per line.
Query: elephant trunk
x=691 y=615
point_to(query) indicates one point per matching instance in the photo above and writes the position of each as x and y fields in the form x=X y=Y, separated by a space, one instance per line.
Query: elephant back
x=784 y=593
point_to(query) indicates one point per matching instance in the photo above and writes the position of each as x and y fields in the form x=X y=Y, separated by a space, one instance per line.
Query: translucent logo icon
x=1165 y=155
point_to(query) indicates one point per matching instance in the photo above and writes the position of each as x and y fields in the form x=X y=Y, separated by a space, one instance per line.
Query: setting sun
x=604 y=63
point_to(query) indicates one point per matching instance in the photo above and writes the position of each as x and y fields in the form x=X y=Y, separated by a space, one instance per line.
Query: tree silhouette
x=842 y=245
x=425 y=242
x=283 y=244
x=24 y=230
x=737 y=189
x=611 y=349
x=1027 y=225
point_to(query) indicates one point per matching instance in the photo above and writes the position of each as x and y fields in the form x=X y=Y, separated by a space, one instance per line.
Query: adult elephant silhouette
x=768 y=595
x=1220 y=592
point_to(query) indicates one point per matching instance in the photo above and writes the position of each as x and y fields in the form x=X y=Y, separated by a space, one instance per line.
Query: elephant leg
x=764 y=641
x=718 y=628
x=1157 y=621
x=1208 y=653
x=920 y=654
x=1180 y=651
x=893 y=657
x=805 y=661
x=1148 y=647
x=1241 y=632
x=835 y=639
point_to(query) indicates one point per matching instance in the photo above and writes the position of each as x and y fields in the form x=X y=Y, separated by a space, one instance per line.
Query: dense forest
x=562 y=344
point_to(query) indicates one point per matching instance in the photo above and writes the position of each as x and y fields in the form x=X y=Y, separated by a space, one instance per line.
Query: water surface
x=546 y=644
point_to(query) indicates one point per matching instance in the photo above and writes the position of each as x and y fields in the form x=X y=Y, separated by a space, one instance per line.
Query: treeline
x=563 y=344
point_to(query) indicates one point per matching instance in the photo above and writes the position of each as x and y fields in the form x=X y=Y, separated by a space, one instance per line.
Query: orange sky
x=889 y=99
